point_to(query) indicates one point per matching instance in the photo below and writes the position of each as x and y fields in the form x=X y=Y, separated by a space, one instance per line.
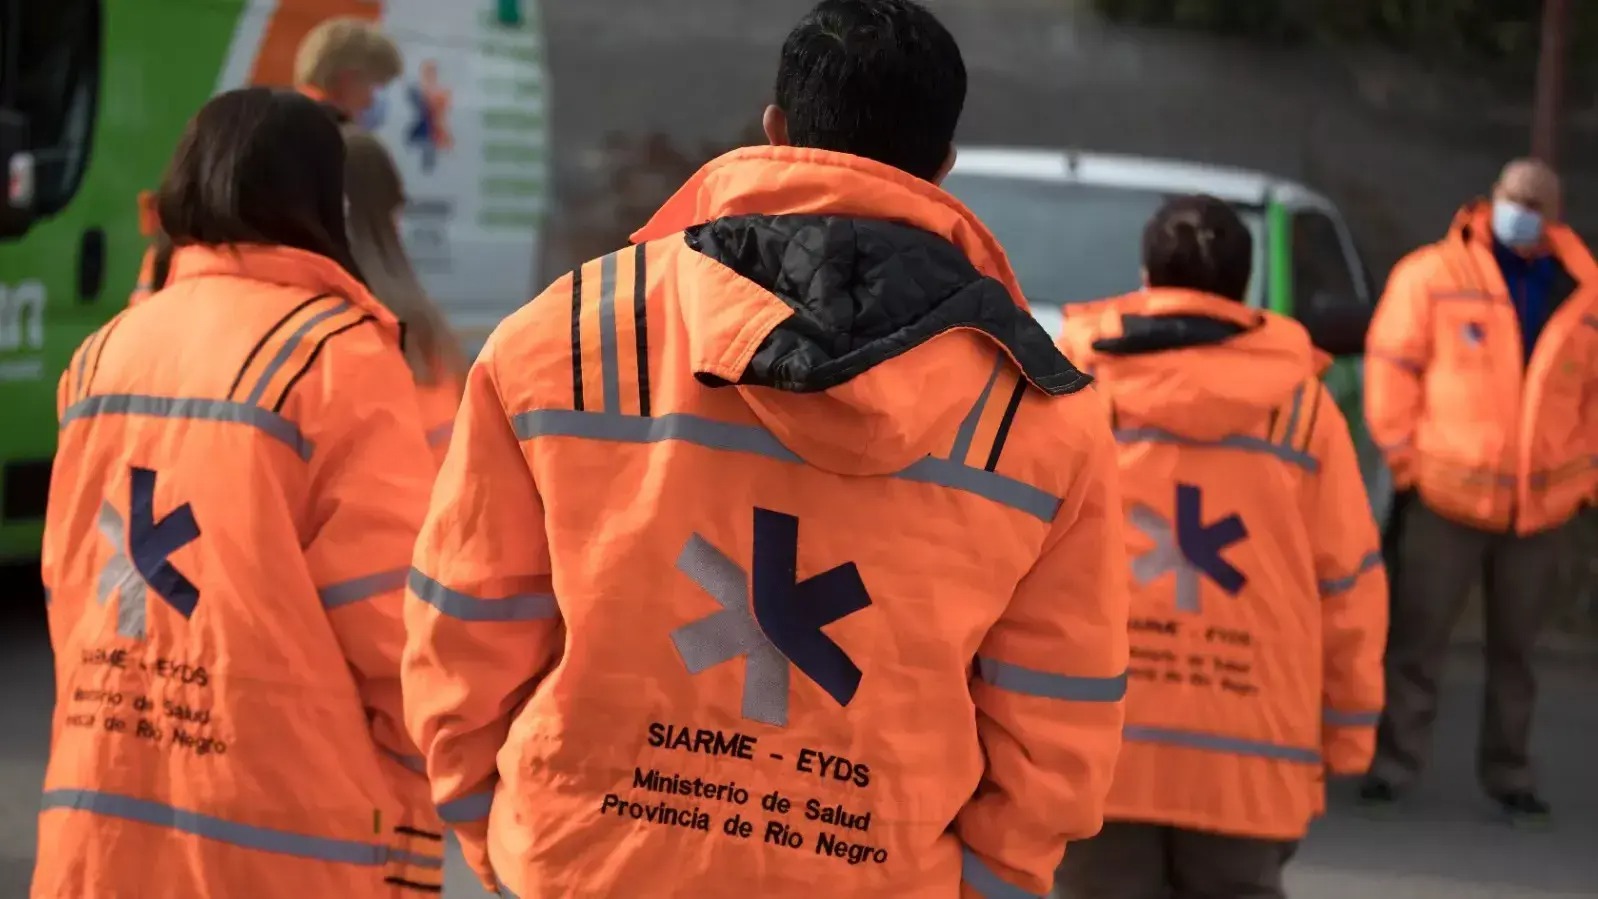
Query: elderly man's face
x=1532 y=185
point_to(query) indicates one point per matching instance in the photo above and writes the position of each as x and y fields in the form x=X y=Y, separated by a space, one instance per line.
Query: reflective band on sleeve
x=467 y=808
x=1335 y=718
x=361 y=588
x=288 y=348
x=407 y=857
x=440 y=435
x=1241 y=442
x=1017 y=679
x=520 y=607
x=756 y=441
x=1217 y=743
x=193 y=409
x=976 y=873
x=247 y=836
x=505 y=891
x=1466 y=295
x=1333 y=587
x=1590 y=321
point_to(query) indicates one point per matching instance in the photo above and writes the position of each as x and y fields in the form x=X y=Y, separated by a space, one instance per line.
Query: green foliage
x=1470 y=32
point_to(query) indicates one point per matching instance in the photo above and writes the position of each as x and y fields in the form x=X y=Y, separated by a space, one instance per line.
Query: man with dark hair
x=882 y=80
x=782 y=550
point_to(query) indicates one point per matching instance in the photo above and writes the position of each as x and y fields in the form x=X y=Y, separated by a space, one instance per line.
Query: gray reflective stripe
x=1590 y=321
x=288 y=348
x=1460 y=295
x=976 y=873
x=467 y=808
x=193 y=408
x=120 y=577
x=1292 y=418
x=1017 y=679
x=247 y=836
x=757 y=441
x=410 y=762
x=353 y=591
x=440 y=434
x=1372 y=560
x=732 y=632
x=1018 y=495
x=1217 y=743
x=407 y=857
x=1166 y=556
x=610 y=369
x=520 y=607
x=718 y=435
x=1335 y=718
x=968 y=428
x=1234 y=441
x=505 y=891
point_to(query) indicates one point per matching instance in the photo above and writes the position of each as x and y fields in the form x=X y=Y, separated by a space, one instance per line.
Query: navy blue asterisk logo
x=1190 y=548
x=141 y=556
x=781 y=626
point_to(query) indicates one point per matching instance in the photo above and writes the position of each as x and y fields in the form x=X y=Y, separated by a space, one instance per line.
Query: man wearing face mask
x=1482 y=355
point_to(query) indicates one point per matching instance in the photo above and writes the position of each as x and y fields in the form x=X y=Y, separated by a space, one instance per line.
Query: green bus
x=94 y=96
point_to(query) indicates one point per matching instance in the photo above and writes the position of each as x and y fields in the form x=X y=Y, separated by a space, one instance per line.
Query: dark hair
x=260 y=166
x=881 y=79
x=1198 y=243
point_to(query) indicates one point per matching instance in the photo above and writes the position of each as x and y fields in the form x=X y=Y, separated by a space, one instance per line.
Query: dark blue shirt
x=1530 y=283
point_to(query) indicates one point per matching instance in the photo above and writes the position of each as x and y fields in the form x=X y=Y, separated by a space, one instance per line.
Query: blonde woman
x=376 y=195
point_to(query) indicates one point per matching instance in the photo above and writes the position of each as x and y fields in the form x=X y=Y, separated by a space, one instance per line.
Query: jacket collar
x=801 y=181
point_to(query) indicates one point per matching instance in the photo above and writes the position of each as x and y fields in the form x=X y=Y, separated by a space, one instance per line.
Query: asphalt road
x=1444 y=842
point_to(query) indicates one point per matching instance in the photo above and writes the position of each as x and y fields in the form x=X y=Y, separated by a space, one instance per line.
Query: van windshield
x=50 y=77
x=1073 y=243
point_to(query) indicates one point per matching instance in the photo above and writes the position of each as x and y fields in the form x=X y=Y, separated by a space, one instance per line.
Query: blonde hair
x=376 y=193
x=342 y=44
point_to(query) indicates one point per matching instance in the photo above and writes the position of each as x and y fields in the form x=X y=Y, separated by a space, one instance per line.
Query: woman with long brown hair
x=376 y=195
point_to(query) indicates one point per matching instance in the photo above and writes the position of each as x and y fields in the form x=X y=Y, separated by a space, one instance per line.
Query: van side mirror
x=1337 y=325
x=16 y=205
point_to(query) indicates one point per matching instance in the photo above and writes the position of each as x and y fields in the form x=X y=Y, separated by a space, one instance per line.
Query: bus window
x=51 y=77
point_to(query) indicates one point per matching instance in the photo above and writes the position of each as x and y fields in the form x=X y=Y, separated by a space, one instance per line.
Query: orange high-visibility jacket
x=780 y=549
x=439 y=402
x=1485 y=438
x=1259 y=604
x=240 y=480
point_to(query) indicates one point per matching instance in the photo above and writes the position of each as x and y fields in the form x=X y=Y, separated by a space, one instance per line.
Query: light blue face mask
x=1515 y=225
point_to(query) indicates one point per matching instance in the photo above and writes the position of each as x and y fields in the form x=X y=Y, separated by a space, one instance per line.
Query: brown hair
x=376 y=195
x=346 y=43
x=258 y=166
x=1199 y=243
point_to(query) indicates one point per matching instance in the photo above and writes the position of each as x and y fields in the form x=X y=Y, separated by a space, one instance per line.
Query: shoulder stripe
x=310 y=360
x=87 y=362
x=1005 y=424
x=641 y=323
x=968 y=427
x=607 y=326
x=577 y=338
x=1314 y=415
x=256 y=350
x=609 y=367
x=301 y=341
